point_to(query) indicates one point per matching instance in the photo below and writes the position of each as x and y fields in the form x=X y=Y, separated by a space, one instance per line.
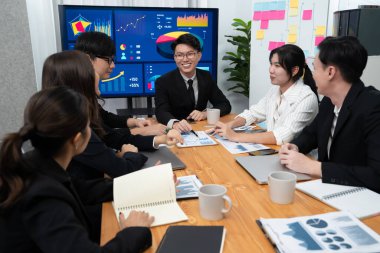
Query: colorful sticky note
x=293 y=4
x=260 y=34
x=318 y=40
x=264 y=24
x=292 y=38
x=272 y=15
x=258 y=6
x=281 y=5
x=265 y=15
x=280 y=15
x=274 y=44
x=272 y=6
x=307 y=14
x=293 y=28
x=293 y=12
x=307 y=53
x=320 y=30
x=257 y=15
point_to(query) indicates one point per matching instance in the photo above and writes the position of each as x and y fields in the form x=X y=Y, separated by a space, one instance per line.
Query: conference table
x=215 y=165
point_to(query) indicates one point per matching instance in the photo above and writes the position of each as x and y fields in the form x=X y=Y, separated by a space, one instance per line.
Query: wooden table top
x=215 y=165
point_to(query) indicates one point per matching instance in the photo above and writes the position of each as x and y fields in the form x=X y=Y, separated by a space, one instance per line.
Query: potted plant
x=240 y=60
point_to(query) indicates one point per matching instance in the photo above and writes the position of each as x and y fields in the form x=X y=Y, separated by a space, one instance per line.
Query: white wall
x=228 y=10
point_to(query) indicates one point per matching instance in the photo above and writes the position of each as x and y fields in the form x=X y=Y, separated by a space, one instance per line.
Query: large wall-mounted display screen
x=142 y=37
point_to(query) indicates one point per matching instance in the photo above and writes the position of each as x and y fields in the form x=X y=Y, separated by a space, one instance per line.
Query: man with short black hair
x=346 y=130
x=183 y=94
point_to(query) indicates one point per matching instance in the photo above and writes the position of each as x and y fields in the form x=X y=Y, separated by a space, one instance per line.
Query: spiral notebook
x=151 y=190
x=359 y=201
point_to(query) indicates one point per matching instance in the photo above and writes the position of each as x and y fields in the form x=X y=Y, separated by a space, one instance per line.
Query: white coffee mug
x=212 y=198
x=213 y=116
x=282 y=186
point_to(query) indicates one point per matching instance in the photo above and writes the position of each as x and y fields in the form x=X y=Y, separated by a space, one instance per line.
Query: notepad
x=190 y=239
x=151 y=190
x=359 y=201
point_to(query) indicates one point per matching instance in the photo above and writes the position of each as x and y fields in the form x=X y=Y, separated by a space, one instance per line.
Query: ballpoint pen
x=194 y=133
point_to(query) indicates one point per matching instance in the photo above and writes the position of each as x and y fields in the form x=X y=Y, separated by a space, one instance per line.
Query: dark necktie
x=190 y=90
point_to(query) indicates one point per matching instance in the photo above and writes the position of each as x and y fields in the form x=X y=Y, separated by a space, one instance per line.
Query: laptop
x=259 y=167
x=164 y=155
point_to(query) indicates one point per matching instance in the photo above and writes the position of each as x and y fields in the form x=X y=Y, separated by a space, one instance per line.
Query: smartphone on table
x=263 y=152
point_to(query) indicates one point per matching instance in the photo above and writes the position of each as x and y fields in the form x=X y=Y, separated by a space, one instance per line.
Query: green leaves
x=240 y=60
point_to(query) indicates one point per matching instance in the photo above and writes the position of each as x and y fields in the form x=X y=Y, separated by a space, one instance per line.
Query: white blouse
x=286 y=114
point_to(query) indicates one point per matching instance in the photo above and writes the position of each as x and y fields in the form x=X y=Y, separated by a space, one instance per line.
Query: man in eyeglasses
x=101 y=50
x=182 y=94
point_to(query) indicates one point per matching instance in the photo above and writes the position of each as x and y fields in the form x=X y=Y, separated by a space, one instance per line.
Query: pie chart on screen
x=165 y=41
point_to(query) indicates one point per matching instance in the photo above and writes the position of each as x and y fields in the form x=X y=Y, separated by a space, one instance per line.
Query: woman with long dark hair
x=41 y=206
x=74 y=70
x=289 y=106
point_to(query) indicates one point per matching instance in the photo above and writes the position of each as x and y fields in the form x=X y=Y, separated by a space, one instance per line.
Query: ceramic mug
x=212 y=199
x=282 y=186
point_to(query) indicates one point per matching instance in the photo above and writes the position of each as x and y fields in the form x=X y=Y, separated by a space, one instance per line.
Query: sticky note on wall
x=260 y=34
x=293 y=12
x=274 y=44
x=318 y=40
x=292 y=38
x=257 y=15
x=264 y=24
x=320 y=30
x=292 y=28
x=307 y=14
x=293 y=4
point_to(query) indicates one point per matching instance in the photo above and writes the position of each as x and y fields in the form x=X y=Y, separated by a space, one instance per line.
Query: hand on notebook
x=136 y=219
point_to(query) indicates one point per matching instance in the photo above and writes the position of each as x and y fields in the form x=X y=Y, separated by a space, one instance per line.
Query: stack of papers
x=330 y=232
x=239 y=147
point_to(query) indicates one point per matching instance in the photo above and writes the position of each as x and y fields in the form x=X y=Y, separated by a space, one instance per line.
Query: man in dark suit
x=183 y=93
x=346 y=130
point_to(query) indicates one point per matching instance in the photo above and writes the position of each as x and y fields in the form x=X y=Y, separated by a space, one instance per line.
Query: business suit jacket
x=112 y=120
x=172 y=100
x=98 y=159
x=355 y=148
x=50 y=216
x=117 y=132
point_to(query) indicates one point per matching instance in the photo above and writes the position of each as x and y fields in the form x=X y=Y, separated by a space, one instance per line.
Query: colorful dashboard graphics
x=79 y=21
x=147 y=35
x=126 y=79
x=142 y=37
x=153 y=72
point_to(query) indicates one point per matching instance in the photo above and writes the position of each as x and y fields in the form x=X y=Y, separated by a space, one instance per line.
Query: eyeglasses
x=189 y=55
x=108 y=59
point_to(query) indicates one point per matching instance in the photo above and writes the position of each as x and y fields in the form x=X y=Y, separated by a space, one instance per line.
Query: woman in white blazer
x=290 y=105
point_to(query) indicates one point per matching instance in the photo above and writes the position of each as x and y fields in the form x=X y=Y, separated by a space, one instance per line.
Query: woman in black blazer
x=41 y=208
x=74 y=69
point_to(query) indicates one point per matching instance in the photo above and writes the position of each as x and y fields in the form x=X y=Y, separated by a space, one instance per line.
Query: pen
x=194 y=133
